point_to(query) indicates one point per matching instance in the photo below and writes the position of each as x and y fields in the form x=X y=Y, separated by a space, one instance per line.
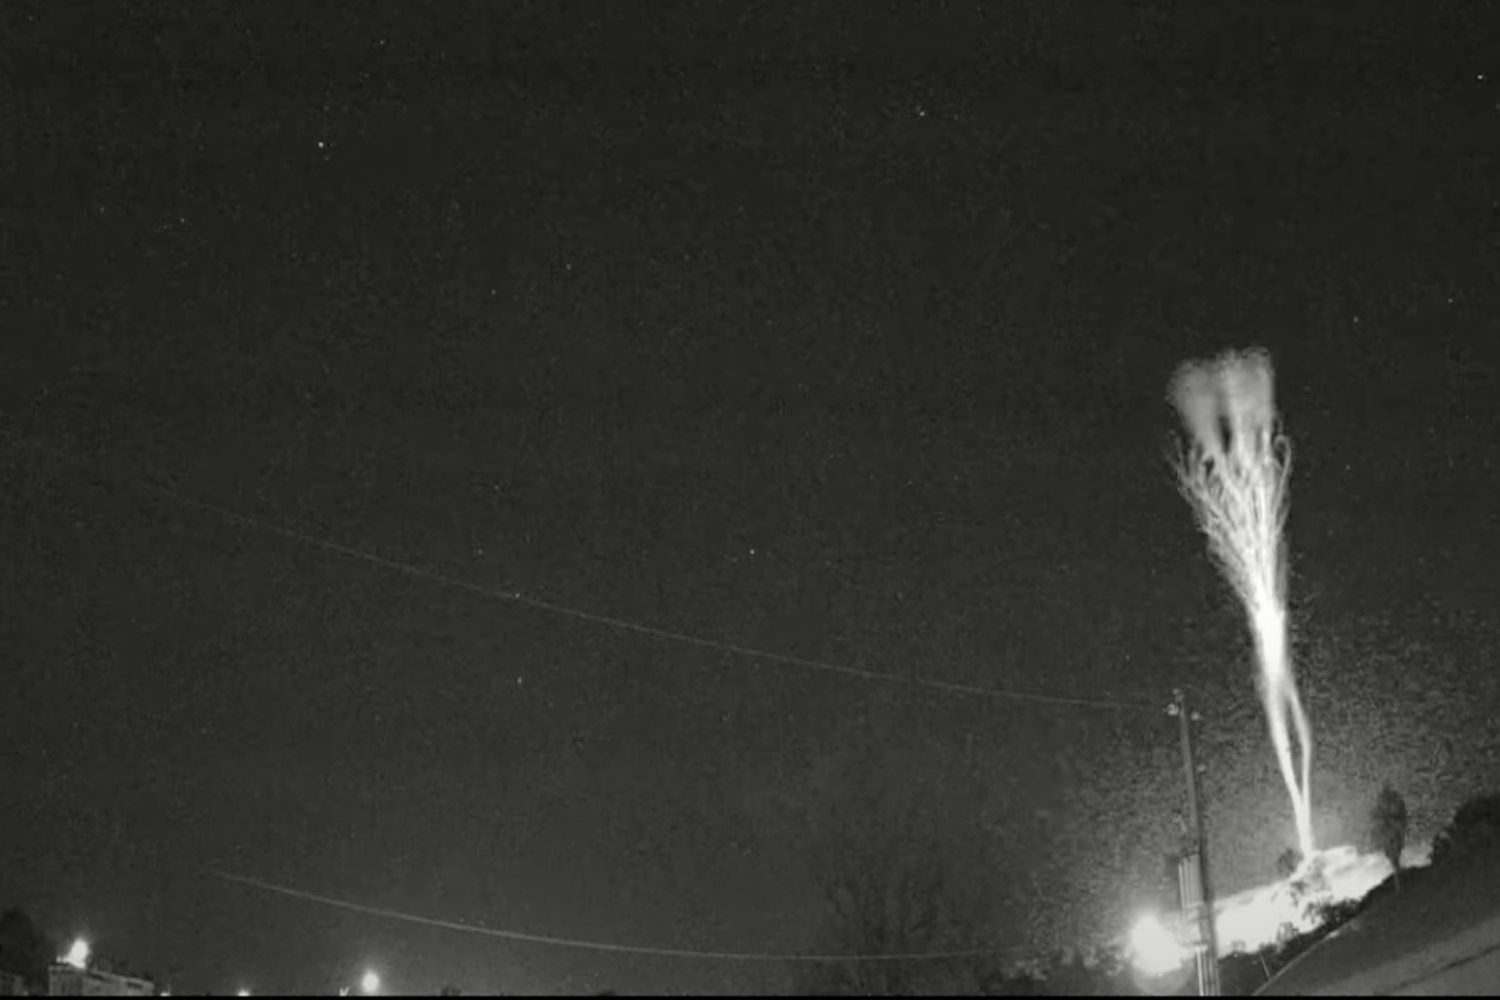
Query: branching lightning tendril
x=1233 y=471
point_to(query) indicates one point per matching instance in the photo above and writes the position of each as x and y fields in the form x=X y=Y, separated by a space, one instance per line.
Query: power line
x=516 y=597
x=597 y=946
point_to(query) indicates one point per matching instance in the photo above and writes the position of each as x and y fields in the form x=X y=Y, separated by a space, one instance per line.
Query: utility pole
x=1197 y=894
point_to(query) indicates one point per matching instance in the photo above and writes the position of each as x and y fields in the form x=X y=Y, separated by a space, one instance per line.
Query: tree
x=24 y=950
x=1071 y=975
x=1475 y=826
x=902 y=865
x=1388 y=821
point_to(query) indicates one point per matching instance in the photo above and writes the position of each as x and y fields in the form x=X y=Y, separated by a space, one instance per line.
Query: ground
x=1439 y=935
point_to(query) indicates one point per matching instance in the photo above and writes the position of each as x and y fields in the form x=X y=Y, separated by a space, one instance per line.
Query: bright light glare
x=370 y=984
x=1154 y=950
x=78 y=955
x=1257 y=917
x=1250 y=920
x=243 y=993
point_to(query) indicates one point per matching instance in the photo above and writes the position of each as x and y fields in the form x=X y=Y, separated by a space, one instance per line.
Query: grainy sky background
x=841 y=334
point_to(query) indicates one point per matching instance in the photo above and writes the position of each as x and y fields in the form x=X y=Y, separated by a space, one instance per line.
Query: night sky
x=843 y=336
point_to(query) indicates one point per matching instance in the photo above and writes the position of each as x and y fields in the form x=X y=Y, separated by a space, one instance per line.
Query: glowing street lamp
x=370 y=984
x=78 y=955
x=1155 y=950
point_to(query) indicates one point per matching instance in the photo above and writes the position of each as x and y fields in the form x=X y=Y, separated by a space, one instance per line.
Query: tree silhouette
x=902 y=870
x=1475 y=826
x=1388 y=821
x=24 y=950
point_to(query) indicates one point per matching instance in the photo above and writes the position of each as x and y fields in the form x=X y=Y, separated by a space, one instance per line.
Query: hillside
x=1439 y=935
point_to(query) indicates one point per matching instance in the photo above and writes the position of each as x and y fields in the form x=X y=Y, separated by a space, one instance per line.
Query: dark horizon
x=844 y=338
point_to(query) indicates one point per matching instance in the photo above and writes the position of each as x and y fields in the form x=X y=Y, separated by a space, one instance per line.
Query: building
x=64 y=980
x=13 y=985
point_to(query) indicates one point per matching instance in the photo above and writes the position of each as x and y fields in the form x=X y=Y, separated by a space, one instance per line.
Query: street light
x=370 y=984
x=1155 y=950
x=78 y=955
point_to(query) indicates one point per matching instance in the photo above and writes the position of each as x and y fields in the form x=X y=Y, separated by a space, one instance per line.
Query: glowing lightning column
x=1234 y=474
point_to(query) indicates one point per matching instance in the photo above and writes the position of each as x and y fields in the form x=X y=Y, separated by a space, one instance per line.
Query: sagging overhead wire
x=595 y=946
x=622 y=624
